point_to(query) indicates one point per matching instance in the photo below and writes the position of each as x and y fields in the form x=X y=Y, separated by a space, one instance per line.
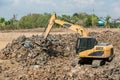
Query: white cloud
x=16 y=1
x=84 y=2
x=23 y=7
x=116 y=6
x=41 y=1
x=117 y=10
x=78 y=3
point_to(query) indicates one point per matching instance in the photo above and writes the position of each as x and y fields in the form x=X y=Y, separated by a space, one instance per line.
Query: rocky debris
x=31 y=50
x=30 y=58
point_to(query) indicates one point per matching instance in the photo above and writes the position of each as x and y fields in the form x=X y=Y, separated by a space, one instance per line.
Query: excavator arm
x=49 y=26
x=78 y=29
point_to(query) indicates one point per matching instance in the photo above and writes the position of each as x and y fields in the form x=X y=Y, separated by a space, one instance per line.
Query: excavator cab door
x=85 y=43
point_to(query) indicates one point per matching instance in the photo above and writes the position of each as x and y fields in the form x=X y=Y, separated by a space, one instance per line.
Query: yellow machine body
x=97 y=52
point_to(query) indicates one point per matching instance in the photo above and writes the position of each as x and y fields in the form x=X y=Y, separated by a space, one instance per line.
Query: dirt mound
x=113 y=37
x=31 y=50
x=51 y=60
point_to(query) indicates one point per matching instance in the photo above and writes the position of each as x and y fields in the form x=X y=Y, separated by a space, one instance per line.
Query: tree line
x=40 y=20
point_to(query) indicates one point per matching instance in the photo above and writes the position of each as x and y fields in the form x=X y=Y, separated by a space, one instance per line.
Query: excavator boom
x=78 y=29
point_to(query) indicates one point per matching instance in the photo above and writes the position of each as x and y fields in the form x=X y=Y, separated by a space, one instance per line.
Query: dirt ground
x=19 y=63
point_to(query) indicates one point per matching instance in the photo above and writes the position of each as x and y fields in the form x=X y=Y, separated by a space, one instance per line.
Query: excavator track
x=97 y=63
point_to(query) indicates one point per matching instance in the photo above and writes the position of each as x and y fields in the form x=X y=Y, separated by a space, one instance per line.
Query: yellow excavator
x=87 y=48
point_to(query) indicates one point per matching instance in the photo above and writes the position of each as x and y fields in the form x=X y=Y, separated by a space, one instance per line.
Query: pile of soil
x=112 y=37
x=33 y=50
x=31 y=58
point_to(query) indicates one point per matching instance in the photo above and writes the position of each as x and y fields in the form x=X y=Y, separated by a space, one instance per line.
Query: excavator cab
x=85 y=43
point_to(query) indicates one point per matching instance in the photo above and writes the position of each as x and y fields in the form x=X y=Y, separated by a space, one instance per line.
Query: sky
x=20 y=8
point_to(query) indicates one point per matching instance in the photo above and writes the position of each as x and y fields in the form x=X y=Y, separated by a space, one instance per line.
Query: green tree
x=34 y=20
x=80 y=18
x=107 y=20
x=88 y=21
x=2 y=20
x=2 y=23
x=94 y=20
